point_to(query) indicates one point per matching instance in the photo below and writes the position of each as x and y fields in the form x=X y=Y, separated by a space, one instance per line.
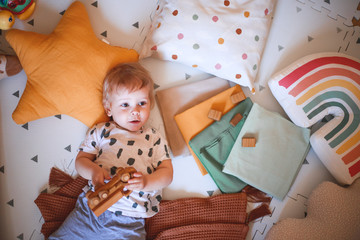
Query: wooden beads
x=236 y=119
x=248 y=142
x=237 y=97
x=214 y=114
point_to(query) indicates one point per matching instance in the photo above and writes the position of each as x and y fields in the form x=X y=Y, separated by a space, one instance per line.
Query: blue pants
x=83 y=224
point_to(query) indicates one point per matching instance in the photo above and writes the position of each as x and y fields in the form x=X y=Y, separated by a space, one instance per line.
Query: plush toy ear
x=13 y=65
x=9 y=66
x=65 y=69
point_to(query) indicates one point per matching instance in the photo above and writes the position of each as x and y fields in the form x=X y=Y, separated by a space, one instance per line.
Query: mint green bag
x=213 y=145
x=273 y=164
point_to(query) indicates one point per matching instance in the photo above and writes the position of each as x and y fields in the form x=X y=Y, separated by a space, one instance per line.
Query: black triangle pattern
x=26 y=126
x=35 y=159
x=210 y=193
x=11 y=202
x=31 y=22
x=95 y=4
x=68 y=148
x=21 y=236
x=136 y=25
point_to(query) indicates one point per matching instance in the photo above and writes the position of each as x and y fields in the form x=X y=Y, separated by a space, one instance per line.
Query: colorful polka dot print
x=223 y=38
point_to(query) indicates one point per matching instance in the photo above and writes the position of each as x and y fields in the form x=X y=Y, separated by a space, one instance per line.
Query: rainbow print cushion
x=224 y=38
x=319 y=85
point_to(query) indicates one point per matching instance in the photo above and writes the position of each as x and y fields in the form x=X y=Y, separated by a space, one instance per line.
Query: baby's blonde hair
x=131 y=76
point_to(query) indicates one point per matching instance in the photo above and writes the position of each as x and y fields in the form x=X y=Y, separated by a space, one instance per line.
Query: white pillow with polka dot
x=223 y=38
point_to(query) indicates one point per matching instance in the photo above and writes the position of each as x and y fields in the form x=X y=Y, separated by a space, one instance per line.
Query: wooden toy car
x=106 y=195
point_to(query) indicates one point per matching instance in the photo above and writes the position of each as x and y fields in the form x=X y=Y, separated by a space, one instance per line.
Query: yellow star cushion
x=65 y=69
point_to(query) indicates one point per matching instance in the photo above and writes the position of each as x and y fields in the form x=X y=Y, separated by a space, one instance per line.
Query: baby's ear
x=107 y=107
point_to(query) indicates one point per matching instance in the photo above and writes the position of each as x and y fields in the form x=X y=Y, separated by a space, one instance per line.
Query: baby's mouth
x=134 y=121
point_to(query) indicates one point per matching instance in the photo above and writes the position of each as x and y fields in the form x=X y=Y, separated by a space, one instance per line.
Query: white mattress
x=27 y=152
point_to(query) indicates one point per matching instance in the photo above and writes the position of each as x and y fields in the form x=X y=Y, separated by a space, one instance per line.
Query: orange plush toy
x=22 y=9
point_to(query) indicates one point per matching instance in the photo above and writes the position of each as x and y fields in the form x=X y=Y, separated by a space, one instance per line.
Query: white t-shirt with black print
x=144 y=150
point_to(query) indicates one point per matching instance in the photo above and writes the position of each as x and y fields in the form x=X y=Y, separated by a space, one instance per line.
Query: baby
x=128 y=97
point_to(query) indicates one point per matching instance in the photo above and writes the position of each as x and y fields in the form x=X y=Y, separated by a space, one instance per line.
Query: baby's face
x=130 y=110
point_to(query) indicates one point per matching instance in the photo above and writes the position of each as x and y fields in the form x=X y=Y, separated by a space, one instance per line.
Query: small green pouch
x=213 y=145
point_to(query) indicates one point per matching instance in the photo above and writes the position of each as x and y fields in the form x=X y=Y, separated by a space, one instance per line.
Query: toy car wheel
x=125 y=177
x=103 y=194
x=94 y=201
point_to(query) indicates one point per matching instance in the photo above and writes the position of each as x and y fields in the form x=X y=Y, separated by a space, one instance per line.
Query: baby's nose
x=135 y=112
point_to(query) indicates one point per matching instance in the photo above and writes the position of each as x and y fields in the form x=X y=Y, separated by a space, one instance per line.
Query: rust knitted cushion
x=193 y=214
x=212 y=231
x=55 y=207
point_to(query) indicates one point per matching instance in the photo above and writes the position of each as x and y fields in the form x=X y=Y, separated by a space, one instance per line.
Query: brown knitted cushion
x=224 y=208
x=56 y=207
x=212 y=231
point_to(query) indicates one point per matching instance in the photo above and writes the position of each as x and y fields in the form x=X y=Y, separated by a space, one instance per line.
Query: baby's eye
x=124 y=105
x=143 y=103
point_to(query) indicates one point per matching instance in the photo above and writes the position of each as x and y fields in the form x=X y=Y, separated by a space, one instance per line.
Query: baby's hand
x=99 y=176
x=137 y=182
